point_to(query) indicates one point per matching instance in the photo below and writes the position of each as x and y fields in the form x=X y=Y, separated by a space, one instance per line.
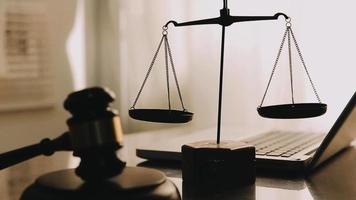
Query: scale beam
x=226 y=19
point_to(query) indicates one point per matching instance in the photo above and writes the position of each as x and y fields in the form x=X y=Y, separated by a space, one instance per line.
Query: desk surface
x=335 y=180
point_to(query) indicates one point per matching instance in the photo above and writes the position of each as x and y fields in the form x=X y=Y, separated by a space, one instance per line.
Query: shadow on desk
x=173 y=169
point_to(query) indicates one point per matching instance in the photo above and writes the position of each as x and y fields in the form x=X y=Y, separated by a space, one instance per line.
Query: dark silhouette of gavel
x=94 y=135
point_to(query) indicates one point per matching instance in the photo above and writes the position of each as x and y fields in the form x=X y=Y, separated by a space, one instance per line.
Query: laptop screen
x=340 y=136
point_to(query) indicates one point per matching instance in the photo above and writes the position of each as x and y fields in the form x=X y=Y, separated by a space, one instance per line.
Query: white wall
x=28 y=126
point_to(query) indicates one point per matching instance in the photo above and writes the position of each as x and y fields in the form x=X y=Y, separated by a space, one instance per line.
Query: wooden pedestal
x=208 y=165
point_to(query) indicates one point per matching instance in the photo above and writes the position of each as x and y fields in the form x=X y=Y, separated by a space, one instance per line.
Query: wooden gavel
x=94 y=135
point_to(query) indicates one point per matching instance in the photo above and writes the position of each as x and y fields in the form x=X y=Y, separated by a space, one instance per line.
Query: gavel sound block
x=227 y=165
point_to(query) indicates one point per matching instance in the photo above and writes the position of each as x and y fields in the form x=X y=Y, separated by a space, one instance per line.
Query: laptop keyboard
x=283 y=144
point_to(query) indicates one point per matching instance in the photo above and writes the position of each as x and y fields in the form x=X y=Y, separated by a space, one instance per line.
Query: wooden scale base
x=209 y=167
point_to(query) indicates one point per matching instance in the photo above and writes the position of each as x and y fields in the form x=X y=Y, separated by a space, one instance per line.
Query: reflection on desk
x=251 y=193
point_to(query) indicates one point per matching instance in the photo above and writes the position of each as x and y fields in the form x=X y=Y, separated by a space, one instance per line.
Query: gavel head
x=95 y=133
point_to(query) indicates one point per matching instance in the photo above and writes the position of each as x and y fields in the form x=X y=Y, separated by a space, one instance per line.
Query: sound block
x=208 y=165
x=134 y=183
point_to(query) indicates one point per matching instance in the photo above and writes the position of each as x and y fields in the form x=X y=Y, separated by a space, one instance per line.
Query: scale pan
x=161 y=115
x=293 y=111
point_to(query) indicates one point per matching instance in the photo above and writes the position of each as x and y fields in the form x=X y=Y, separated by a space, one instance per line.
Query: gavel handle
x=45 y=147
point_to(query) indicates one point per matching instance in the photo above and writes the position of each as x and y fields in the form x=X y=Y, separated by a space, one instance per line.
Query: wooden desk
x=335 y=181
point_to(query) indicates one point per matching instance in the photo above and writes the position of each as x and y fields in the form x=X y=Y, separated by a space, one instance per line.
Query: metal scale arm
x=224 y=20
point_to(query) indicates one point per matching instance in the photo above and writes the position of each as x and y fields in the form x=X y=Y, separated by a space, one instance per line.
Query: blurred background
x=50 y=48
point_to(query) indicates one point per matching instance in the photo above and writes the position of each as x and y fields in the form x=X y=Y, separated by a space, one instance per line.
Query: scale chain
x=290 y=63
x=290 y=34
x=304 y=65
x=148 y=73
x=275 y=66
x=174 y=73
x=167 y=70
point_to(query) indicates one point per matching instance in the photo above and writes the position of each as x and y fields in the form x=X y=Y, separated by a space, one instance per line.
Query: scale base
x=135 y=183
x=210 y=166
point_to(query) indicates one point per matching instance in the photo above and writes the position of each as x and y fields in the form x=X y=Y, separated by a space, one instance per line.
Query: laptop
x=284 y=151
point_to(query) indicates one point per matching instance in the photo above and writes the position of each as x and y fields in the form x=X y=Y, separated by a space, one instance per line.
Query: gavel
x=94 y=135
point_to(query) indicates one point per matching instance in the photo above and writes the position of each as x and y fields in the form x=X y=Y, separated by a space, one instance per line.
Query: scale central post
x=225 y=19
x=221 y=82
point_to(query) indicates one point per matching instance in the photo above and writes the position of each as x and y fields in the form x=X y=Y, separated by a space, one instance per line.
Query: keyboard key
x=274 y=154
x=286 y=155
x=260 y=153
